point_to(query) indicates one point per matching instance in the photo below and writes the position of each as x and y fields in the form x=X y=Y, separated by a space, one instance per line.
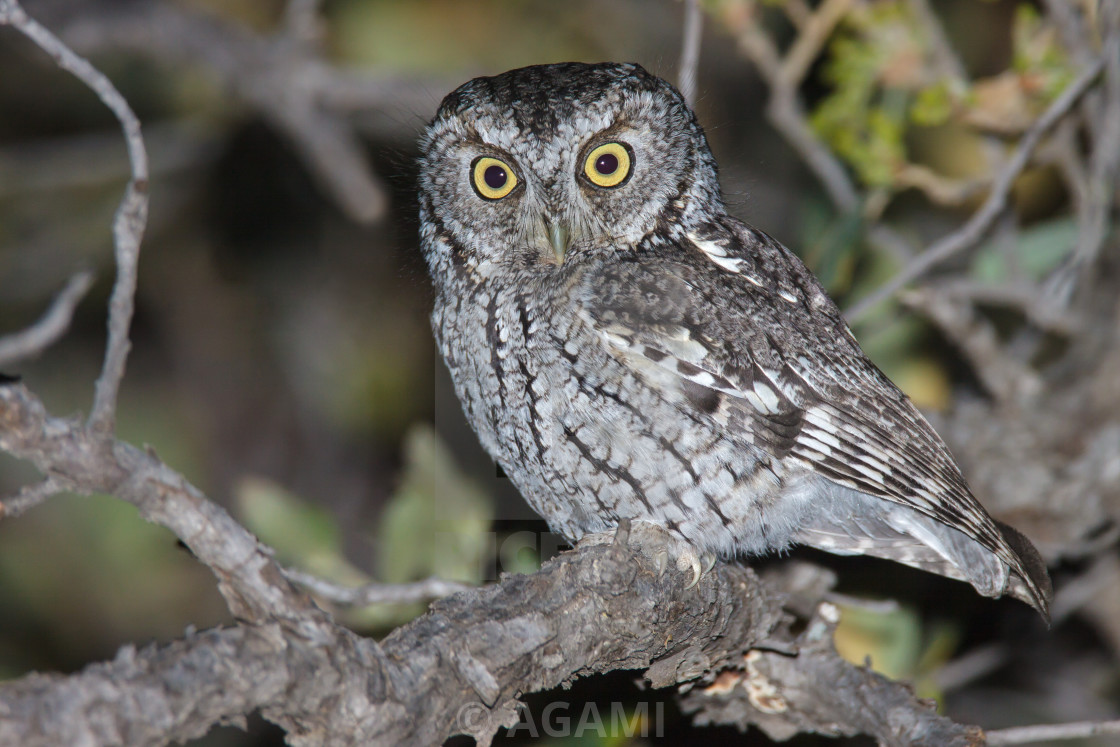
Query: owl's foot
x=659 y=544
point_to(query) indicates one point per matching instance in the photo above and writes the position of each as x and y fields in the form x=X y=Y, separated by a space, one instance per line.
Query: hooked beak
x=558 y=237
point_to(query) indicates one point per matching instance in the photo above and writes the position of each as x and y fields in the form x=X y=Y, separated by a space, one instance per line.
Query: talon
x=689 y=560
x=709 y=562
x=661 y=560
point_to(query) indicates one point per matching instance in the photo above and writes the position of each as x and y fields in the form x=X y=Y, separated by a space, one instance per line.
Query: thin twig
x=690 y=50
x=982 y=219
x=1005 y=378
x=50 y=327
x=1050 y=732
x=280 y=77
x=128 y=230
x=798 y=12
x=29 y=497
x=809 y=43
x=1096 y=220
x=359 y=596
x=971 y=666
x=784 y=108
x=132 y=214
x=788 y=116
x=1021 y=296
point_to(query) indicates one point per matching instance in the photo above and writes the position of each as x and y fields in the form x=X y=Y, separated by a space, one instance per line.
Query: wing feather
x=708 y=329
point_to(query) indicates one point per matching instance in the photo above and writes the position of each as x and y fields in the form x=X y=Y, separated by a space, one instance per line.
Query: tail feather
x=852 y=523
x=1034 y=587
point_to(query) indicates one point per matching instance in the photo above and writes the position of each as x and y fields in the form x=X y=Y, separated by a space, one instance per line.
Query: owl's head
x=547 y=164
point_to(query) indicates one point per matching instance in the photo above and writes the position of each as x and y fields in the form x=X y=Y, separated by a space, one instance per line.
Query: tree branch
x=281 y=76
x=77 y=459
x=976 y=226
x=360 y=596
x=464 y=664
x=690 y=50
x=786 y=695
x=50 y=327
x=1052 y=732
x=131 y=217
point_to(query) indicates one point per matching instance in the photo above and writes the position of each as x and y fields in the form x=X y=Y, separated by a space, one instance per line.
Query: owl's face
x=545 y=165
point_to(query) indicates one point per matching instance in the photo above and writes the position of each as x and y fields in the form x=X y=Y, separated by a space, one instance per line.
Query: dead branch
x=77 y=459
x=359 y=596
x=132 y=214
x=976 y=226
x=282 y=76
x=32 y=341
x=465 y=663
x=690 y=50
x=1052 y=732
x=782 y=695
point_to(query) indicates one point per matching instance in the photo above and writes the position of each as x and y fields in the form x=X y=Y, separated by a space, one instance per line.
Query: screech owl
x=624 y=348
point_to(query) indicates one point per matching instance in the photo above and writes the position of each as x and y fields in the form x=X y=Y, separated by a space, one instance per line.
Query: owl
x=624 y=348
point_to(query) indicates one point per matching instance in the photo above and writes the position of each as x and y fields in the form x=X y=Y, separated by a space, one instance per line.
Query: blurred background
x=282 y=358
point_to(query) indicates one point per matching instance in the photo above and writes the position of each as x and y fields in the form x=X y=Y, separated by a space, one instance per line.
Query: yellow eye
x=491 y=178
x=608 y=165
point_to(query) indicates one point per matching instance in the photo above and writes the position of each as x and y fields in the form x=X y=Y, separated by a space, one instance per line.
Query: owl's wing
x=738 y=331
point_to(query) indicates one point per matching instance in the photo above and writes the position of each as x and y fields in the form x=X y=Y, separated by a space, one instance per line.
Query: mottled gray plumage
x=633 y=351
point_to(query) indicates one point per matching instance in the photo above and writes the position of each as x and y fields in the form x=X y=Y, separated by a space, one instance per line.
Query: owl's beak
x=558 y=237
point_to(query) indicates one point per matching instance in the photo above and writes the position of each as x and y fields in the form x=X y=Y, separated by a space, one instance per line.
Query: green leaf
x=302 y=534
x=438 y=522
x=933 y=105
x=892 y=640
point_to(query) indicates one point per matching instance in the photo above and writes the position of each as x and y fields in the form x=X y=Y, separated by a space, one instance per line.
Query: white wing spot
x=753 y=280
x=616 y=340
x=815 y=445
x=731 y=265
x=756 y=403
x=820 y=418
x=874 y=463
x=716 y=253
x=786 y=295
x=767 y=396
x=826 y=437
x=703 y=378
x=876 y=477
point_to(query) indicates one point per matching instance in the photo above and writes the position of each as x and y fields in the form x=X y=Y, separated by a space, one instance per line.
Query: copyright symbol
x=472 y=717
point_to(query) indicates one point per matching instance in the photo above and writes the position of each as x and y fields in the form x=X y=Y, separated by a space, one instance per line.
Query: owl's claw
x=658 y=544
x=709 y=561
x=687 y=560
x=700 y=566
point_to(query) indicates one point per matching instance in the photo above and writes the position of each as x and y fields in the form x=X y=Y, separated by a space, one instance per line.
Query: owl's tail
x=854 y=524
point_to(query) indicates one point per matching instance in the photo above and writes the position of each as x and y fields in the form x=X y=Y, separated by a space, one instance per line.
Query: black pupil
x=606 y=164
x=495 y=177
